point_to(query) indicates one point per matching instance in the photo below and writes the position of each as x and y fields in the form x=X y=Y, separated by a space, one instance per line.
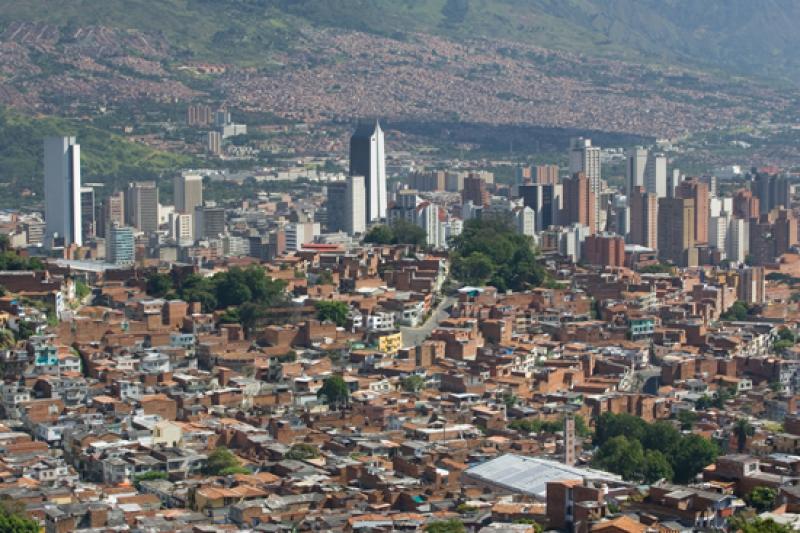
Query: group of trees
x=399 y=232
x=333 y=310
x=245 y=293
x=334 y=392
x=302 y=451
x=738 y=311
x=640 y=451
x=14 y=520
x=550 y=426
x=786 y=339
x=222 y=462
x=490 y=251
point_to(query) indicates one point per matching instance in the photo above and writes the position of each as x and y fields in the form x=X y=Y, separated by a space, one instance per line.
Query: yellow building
x=390 y=343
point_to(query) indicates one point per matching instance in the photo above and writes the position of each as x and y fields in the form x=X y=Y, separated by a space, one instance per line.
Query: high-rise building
x=62 y=192
x=300 y=233
x=141 y=206
x=752 y=285
x=368 y=159
x=655 y=175
x=579 y=202
x=405 y=207
x=336 y=206
x=738 y=240
x=718 y=232
x=88 y=222
x=674 y=179
x=214 y=142
x=635 y=169
x=355 y=204
x=676 y=231
x=181 y=228
x=583 y=157
x=198 y=115
x=643 y=218
x=696 y=190
x=112 y=211
x=605 y=249
x=525 y=221
x=745 y=205
x=475 y=191
x=188 y=192
x=546 y=201
x=209 y=221
x=772 y=191
x=121 y=245
x=545 y=174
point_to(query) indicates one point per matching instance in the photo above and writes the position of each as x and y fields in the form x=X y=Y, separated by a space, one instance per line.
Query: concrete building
x=655 y=175
x=62 y=192
x=696 y=190
x=579 y=202
x=738 y=243
x=752 y=285
x=525 y=221
x=368 y=159
x=356 y=205
x=214 y=142
x=209 y=221
x=546 y=201
x=676 y=242
x=583 y=157
x=635 y=169
x=643 y=219
x=181 y=228
x=88 y=221
x=545 y=174
x=300 y=233
x=112 y=211
x=605 y=249
x=187 y=192
x=141 y=206
x=120 y=245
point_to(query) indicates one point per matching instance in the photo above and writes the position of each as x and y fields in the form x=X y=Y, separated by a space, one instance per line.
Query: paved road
x=415 y=336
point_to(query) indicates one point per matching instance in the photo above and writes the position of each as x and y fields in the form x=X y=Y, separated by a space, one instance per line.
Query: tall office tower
x=718 y=232
x=209 y=221
x=635 y=169
x=643 y=219
x=427 y=217
x=676 y=231
x=545 y=174
x=475 y=191
x=141 y=206
x=696 y=190
x=300 y=233
x=88 y=222
x=368 y=159
x=336 y=206
x=712 y=182
x=355 y=203
x=62 y=192
x=214 y=142
x=188 y=192
x=738 y=240
x=717 y=206
x=655 y=175
x=579 y=202
x=752 y=285
x=113 y=210
x=120 y=245
x=405 y=207
x=545 y=200
x=674 y=179
x=745 y=205
x=583 y=157
x=772 y=191
x=619 y=219
x=181 y=228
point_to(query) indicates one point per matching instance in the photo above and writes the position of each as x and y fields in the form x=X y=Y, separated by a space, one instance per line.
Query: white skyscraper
x=718 y=232
x=655 y=175
x=355 y=220
x=583 y=157
x=634 y=170
x=188 y=192
x=62 y=191
x=368 y=159
x=738 y=240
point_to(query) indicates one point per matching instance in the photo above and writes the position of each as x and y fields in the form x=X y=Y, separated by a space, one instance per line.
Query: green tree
x=693 y=454
x=537 y=527
x=302 y=451
x=742 y=429
x=149 y=476
x=476 y=269
x=446 y=526
x=222 y=462
x=738 y=311
x=622 y=456
x=25 y=330
x=158 y=285
x=741 y=524
x=333 y=310
x=687 y=419
x=656 y=466
x=609 y=425
x=14 y=520
x=404 y=232
x=379 y=234
x=762 y=499
x=82 y=290
x=413 y=383
x=334 y=392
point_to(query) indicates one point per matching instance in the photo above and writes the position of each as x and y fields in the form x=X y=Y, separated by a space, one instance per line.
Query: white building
x=188 y=192
x=634 y=170
x=525 y=219
x=428 y=219
x=62 y=191
x=718 y=231
x=181 y=228
x=300 y=233
x=355 y=220
x=655 y=175
x=738 y=240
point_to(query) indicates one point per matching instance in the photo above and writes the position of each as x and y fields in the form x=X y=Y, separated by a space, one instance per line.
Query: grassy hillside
x=105 y=158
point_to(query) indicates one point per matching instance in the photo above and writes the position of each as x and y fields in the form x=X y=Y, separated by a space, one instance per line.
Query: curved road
x=415 y=336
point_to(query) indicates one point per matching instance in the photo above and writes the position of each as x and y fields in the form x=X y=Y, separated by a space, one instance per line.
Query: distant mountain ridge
x=755 y=38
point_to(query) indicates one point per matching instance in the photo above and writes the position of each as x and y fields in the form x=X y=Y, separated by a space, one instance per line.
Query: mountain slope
x=751 y=37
